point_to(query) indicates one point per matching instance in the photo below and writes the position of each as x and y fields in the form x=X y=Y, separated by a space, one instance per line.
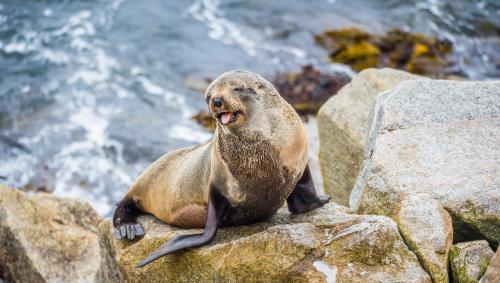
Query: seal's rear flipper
x=217 y=207
x=303 y=197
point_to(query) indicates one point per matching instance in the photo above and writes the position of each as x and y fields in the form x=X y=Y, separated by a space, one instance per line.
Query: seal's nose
x=217 y=102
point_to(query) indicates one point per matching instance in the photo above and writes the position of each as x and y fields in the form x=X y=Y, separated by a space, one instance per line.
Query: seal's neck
x=247 y=152
x=241 y=140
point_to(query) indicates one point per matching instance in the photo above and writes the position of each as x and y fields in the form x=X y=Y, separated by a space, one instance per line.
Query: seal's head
x=237 y=97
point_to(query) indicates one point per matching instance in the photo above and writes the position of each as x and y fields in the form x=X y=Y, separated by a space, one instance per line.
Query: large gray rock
x=47 y=239
x=343 y=122
x=435 y=140
x=469 y=260
x=325 y=245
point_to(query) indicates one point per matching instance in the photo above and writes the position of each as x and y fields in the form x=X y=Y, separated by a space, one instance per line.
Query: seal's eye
x=250 y=90
x=244 y=90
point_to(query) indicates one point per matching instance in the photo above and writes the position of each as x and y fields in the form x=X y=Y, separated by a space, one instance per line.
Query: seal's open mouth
x=227 y=118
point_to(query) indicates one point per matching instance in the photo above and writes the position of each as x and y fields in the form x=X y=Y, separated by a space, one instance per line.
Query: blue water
x=91 y=92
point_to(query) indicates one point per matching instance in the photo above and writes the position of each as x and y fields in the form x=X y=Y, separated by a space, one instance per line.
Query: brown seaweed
x=412 y=52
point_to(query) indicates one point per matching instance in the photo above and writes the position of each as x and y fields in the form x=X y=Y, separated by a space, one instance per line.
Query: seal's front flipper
x=217 y=208
x=303 y=197
x=125 y=220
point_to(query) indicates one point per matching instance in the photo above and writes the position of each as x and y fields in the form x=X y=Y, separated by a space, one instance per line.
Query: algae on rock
x=469 y=261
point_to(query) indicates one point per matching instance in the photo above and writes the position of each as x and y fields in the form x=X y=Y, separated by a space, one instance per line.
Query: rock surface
x=469 y=261
x=47 y=239
x=492 y=274
x=427 y=230
x=326 y=245
x=436 y=140
x=343 y=122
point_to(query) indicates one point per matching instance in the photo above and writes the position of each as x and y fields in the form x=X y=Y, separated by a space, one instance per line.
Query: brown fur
x=190 y=216
x=253 y=162
x=261 y=177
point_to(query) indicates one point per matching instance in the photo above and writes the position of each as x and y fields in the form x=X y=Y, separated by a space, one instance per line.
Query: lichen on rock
x=469 y=260
x=325 y=244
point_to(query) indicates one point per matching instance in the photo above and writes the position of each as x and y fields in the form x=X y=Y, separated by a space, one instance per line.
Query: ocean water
x=92 y=92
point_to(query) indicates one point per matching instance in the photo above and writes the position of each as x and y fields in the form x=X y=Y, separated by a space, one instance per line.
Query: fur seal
x=255 y=162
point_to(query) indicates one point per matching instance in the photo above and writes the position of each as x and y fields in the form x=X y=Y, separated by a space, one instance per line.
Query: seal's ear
x=217 y=210
x=303 y=197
